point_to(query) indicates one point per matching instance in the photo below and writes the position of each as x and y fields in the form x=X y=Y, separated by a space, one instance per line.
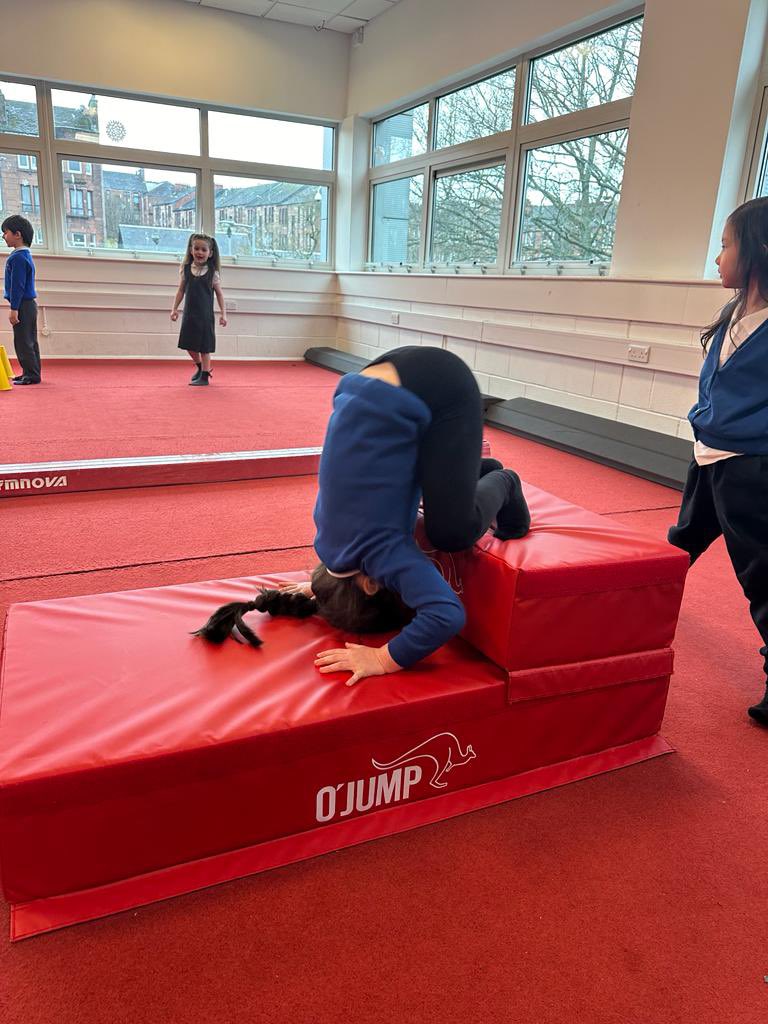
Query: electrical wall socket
x=394 y=318
x=638 y=353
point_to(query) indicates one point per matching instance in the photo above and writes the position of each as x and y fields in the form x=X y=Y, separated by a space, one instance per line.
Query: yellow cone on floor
x=6 y=362
x=5 y=383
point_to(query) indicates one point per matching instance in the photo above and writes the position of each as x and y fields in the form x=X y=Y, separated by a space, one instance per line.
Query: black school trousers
x=730 y=497
x=25 y=340
x=461 y=493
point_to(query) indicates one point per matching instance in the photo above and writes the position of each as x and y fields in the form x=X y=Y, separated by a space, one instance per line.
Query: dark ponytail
x=228 y=620
x=749 y=224
x=341 y=602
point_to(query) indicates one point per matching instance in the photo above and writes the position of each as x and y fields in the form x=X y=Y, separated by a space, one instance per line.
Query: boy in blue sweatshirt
x=20 y=293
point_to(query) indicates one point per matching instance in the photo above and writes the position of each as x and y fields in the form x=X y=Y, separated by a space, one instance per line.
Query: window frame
x=50 y=152
x=512 y=146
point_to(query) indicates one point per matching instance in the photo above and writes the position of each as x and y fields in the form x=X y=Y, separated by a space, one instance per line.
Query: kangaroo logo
x=443 y=749
x=445 y=565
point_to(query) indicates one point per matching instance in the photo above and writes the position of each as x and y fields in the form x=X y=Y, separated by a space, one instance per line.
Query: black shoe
x=196 y=374
x=759 y=712
x=513 y=520
x=19 y=379
x=202 y=380
x=28 y=380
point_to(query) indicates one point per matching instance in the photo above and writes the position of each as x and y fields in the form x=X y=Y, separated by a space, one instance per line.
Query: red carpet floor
x=115 y=408
x=639 y=897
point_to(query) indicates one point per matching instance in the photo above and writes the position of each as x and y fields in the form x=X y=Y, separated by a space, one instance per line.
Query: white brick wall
x=561 y=341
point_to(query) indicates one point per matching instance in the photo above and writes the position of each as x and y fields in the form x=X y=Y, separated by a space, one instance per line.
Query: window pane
x=133 y=124
x=466 y=216
x=479 y=110
x=401 y=136
x=276 y=219
x=267 y=141
x=593 y=71
x=121 y=207
x=397 y=220
x=18 y=108
x=20 y=189
x=571 y=194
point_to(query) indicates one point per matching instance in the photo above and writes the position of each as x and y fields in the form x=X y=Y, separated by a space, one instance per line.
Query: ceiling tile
x=297 y=15
x=321 y=6
x=257 y=7
x=342 y=24
x=366 y=9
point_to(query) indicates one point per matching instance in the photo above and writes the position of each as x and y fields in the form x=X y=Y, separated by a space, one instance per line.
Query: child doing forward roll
x=405 y=428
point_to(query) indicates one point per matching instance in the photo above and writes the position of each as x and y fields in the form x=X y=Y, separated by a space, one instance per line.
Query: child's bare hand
x=222 y=321
x=361 y=661
x=296 y=588
x=174 y=315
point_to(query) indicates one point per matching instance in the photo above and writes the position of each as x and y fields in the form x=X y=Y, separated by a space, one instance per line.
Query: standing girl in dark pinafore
x=199 y=280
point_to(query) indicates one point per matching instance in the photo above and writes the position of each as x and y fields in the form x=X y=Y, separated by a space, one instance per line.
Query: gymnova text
x=31 y=483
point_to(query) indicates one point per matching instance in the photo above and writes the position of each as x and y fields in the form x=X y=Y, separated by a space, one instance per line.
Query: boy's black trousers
x=730 y=497
x=25 y=340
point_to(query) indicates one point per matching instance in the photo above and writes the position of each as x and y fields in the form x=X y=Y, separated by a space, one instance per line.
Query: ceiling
x=336 y=15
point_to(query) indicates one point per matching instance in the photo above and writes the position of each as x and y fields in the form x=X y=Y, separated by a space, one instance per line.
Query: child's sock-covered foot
x=513 y=520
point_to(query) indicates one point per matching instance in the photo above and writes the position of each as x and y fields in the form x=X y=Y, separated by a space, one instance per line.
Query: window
x=396 y=220
x=129 y=170
x=76 y=202
x=30 y=198
x=21 y=189
x=141 y=209
x=570 y=199
x=269 y=141
x=401 y=136
x=466 y=215
x=18 y=108
x=271 y=219
x=565 y=138
x=484 y=108
x=596 y=70
x=127 y=123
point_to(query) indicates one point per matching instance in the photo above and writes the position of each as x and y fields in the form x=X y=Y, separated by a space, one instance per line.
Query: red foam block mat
x=577 y=587
x=137 y=762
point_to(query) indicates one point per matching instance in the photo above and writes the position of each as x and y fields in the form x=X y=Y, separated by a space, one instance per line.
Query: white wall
x=564 y=342
x=174 y=48
x=115 y=308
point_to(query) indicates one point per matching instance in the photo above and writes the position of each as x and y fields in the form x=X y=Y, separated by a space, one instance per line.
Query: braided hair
x=341 y=602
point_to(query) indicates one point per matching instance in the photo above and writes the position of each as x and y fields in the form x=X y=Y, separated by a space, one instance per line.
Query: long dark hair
x=341 y=602
x=749 y=224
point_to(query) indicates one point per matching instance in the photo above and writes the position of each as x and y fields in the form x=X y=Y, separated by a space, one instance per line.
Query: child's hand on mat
x=297 y=588
x=358 y=659
x=222 y=321
x=13 y=316
x=174 y=315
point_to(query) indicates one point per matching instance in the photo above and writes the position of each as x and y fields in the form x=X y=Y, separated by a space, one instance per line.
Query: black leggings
x=730 y=497
x=461 y=497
